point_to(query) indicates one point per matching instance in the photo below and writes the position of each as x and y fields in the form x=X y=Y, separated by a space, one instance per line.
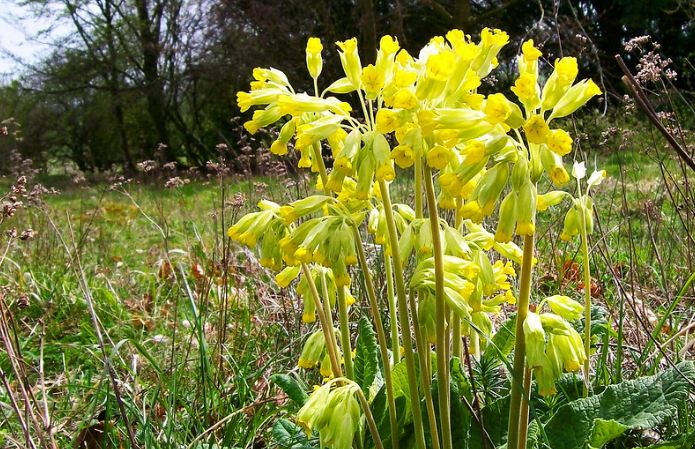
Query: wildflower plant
x=476 y=155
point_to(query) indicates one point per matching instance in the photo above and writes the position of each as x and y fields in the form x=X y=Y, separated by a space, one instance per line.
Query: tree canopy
x=144 y=79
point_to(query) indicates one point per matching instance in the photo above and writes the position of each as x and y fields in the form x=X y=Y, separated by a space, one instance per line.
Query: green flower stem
x=328 y=313
x=587 y=302
x=455 y=320
x=322 y=167
x=523 y=415
x=475 y=344
x=403 y=316
x=345 y=333
x=424 y=358
x=331 y=345
x=418 y=187
x=421 y=343
x=393 y=311
x=456 y=336
x=440 y=314
x=380 y=333
x=520 y=344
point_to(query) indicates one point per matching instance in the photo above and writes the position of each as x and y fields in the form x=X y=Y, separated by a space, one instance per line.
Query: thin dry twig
x=642 y=100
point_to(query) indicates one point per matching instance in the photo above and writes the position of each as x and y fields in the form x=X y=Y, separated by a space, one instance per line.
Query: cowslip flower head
x=314 y=61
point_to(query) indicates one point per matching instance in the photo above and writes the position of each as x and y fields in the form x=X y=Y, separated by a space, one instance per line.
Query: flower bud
x=575 y=97
x=559 y=82
x=507 y=218
x=312 y=350
x=526 y=209
x=570 y=350
x=314 y=61
x=553 y=198
x=535 y=340
x=545 y=378
x=350 y=60
x=572 y=223
x=565 y=307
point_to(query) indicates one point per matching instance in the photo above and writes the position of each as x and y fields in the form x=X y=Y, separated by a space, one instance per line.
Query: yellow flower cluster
x=487 y=153
x=552 y=344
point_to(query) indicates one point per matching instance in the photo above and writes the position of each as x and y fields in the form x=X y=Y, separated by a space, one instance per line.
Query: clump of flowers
x=478 y=156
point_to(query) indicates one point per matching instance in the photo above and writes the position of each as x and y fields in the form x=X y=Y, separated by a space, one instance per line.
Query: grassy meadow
x=129 y=311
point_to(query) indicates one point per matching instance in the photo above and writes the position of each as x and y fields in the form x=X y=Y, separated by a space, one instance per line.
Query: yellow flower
x=314 y=46
x=559 y=176
x=304 y=162
x=403 y=156
x=536 y=129
x=493 y=38
x=559 y=141
x=497 y=108
x=343 y=165
x=438 y=157
x=251 y=126
x=404 y=78
x=279 y=148
x=507 y=218
x=244 y=100
x=385 y=173
x=566 y=69
x=386 y=121
x=388 y=44
x=372 y=81
x=472 y=210
x=440 y=66
x=530 y=52
x=314 y=61
x=575 y=97
x=405 y=99
x=342 y=280
x=350 y=60
x=404 y=58
x=526 y=88
x=546 y=200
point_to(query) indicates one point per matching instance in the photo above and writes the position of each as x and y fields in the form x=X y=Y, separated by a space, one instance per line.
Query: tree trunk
x=368 y=30
x=150 y=46
x=462 y=15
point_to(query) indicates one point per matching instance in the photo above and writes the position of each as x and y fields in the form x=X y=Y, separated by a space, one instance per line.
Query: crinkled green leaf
x=605 y=431
x=502 y=342
x=367 y=355
x=636 y=404
x=291 y=387
x=288 y=435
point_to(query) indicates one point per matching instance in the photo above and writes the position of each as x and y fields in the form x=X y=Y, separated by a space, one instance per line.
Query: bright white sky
x=20 y=38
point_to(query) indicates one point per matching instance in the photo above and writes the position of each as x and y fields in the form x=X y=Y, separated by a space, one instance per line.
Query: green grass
x=188 y=354
x=194 y=328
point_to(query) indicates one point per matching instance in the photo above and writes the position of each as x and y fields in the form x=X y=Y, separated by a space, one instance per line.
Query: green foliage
x=635 y=404
x=291 y=387
x=367 y=355
x=288 y=435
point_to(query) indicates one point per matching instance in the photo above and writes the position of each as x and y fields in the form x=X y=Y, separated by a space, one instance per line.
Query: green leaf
x=401 y=387
x=288 y=435
x=502 y=342
x=381 y=415
x=636 y=404
x=605 y=431
x=495 y=419
x=367 y=355
x=291 y=387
